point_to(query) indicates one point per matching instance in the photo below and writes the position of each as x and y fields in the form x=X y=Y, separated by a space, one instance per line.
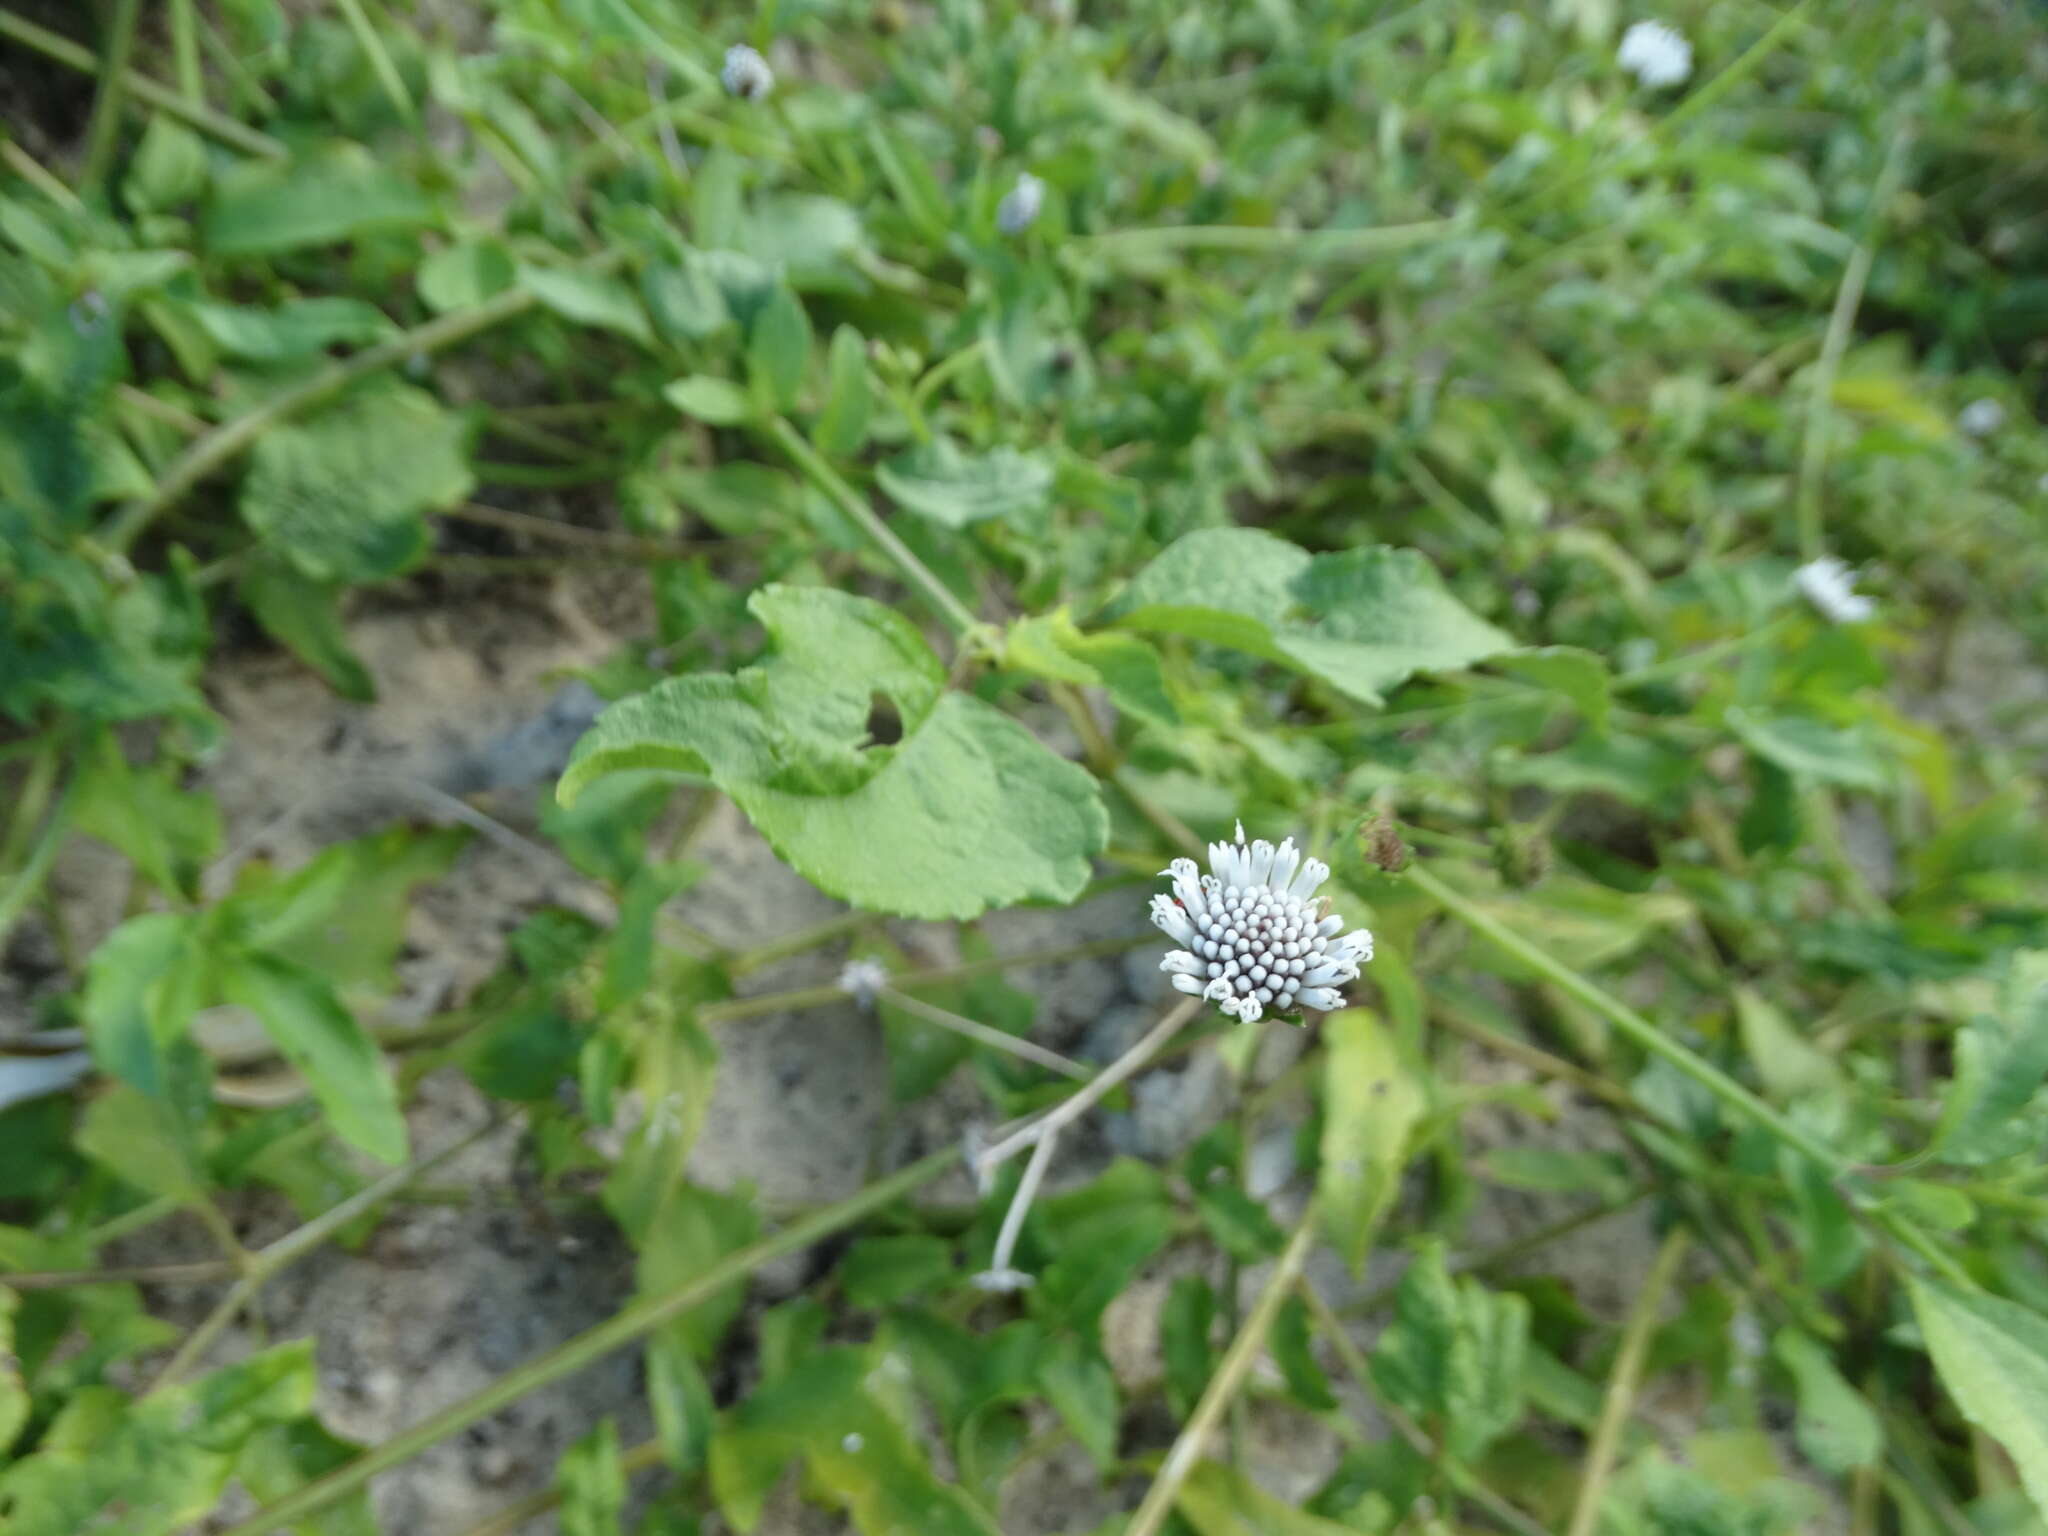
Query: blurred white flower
x=1656 y=53
x=1018 y=210
x=1001 y=1281
x=861 y=979
x=1829 y=584
x=852 y=1442
x=746 y=74
x=1981 y=418
x=1256 y=938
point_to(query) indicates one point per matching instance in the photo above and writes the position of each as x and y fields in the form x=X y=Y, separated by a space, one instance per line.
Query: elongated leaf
x=946 y=484
x=1453 y=1354
x=1371 y=1102
x=593 y=1483
x=1362 y=620
x=336 y=193
x=1221 y=1501
x=141 y=989
x=2001 y=1061
x=589 y=298
x=778 y=348
x=1836 y=1428
x=1082 y=1390
x=843 y=424
x=966 y=812
x=305 y=616
x=1811 y=750
x=342 y=1065
x=1993 y=1358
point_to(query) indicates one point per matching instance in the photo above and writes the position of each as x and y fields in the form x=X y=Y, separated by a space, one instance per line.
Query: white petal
x=1325 y=998
x=1286 y=859
x=1192 y=985
x=1252 y=1010
x=1313 y=873
x=1355 y=946
x=1262 y=861
x=1327 y=972
x=1182 y=963
x=1219 y=990
x=1240 y=831
x=1329 y=925
x=1172 y=920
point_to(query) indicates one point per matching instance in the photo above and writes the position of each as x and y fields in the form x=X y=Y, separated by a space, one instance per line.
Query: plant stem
x=1628 y=1022
x=1264 y=239
x=148 y=1214
x=140 y=1274
x=380 y=60
x=1065 y=1113
x=514 y=1516
x=24 y=165
x=843 y=496
x=1230 y=1374
x=103 y=133
x=266 y=1262
x=61 y=49
x=983 y=1034
x=799 y=942
x=1621 y=1383
x=1020 y=1203
x=1820 y=404
x=641 y=1317
x=21 y=890
x=185 y=50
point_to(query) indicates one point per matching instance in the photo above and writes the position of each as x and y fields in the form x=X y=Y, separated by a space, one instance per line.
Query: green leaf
x=880 y=1271
x=296 y=329
x=1558 y=1171
x=462 y=276
x=1811 y=751
x=966 y=812
x=1184 y=1323
x=1788 y=1064
x=1582 y=677
x=169 y=167
x=1079 y=1384
x=142 y=986
x=593 y=1483
x=1992 y=1355
x=684 y=299
x=1240 y=1225
x=305 y=616
x=718 y=401
x=1293 y=1352
x=337 y=192
x=1453 y=1353
x=283 y=1458
x=2001 y=1060
x=1635 y=769
x=1836 y=1428
x=1050 y=645
x=341 y=493
x=1362 y=620
x=14 y=1402
x=842 y=426
x=168 y=833
x=1220 y=1501
x=142 y=1138
x=945 y=484
x=778 y=348
x=589 y=298
x=341 y=1064
x=685 y=1417
x=1371 y=1103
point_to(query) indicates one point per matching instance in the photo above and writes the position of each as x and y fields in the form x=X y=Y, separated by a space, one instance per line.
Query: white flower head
x=1829 y=584
x=1255 y=937
x=1656 y=53
x=861 y=979
x=1981 y=418
x=746 y=74
x=1018 y=210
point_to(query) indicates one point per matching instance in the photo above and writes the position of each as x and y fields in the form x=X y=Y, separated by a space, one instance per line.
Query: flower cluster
x=746 y=74
x=1656 y=54
x=1829 y=584
x=1256 y=937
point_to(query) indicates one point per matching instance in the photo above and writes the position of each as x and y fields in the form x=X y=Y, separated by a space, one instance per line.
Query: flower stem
x=141 y=1274
x=983 y=1034
x=1230 y=1374
x=1020 y=1203
x=643 y=1316
x=827 y=479
x=373 y=48
x=1621 y=1383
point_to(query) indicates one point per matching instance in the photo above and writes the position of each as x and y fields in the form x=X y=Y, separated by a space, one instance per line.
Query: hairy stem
x=983 y=1034
x=1621 y=1383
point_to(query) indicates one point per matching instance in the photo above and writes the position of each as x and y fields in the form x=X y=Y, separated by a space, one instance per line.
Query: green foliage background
x=1399 y=428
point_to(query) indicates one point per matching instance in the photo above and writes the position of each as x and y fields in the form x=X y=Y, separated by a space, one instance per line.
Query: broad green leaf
x=2001 y=1060
x=1240 y=1225
x=341 y=493
x=1992 y=1356
x=142 y=986
x=1453 y=1353
x=317 y=1035
x=169 y=167
x=460 y=276
x=682 y=1233
x=1371 y=1102
x=589 y=298
x=805 y=236
x=950 y=486
x=1836 y=1428
x=304 y=615
x=300 y=328
x=966 y=812
x=778 y=349
x=168 y=833
x=1220 y=1501
x=718 y=401
x=107 y=1463
x=842 y=426
x=1635 y=769
x=1362 y=620
x=684 y=298
x=881 y=1271
x=282 y=1458
x=1081 y=1388
x=1580 y=676
x=337 y=192
x=1788 y=1063
x=1811 y=751
x=592 y=1483
x=1185 y=1321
